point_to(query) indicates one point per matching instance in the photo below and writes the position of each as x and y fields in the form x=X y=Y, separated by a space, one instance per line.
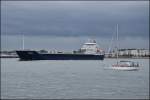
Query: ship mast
x=23 y=42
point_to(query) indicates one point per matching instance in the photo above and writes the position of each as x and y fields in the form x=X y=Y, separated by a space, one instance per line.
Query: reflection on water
x=72 y=79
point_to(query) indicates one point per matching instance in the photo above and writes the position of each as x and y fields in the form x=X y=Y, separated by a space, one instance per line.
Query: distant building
x=144 y=52
x=130 y=53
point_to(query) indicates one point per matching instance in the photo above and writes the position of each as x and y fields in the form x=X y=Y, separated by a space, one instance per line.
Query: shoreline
x=9 y=56
x=104 y=58
x=127 y=57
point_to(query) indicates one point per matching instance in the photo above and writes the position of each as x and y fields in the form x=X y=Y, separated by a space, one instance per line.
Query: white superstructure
x=91 y=47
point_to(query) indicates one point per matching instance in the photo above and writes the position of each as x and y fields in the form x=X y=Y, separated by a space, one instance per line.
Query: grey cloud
x=79 y=19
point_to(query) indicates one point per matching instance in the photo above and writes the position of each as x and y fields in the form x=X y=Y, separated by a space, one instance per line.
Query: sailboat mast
x=117 y=43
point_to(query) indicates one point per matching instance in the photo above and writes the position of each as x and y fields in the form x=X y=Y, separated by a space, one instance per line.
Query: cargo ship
x=89 y=51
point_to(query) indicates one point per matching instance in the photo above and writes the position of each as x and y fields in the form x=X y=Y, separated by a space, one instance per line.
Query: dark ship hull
x=34 y=55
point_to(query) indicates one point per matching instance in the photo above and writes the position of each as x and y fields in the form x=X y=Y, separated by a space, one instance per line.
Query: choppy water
x=72 y=79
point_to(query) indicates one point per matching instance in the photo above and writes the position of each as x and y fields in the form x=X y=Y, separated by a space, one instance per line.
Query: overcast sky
x=66 y=25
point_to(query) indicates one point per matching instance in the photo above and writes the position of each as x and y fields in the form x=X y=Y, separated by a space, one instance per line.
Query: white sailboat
x=124 y=64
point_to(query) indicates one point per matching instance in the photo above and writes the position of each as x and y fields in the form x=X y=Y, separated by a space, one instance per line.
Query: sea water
x=72 y=79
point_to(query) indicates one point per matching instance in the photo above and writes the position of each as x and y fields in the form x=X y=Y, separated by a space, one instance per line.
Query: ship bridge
x=91 y=47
